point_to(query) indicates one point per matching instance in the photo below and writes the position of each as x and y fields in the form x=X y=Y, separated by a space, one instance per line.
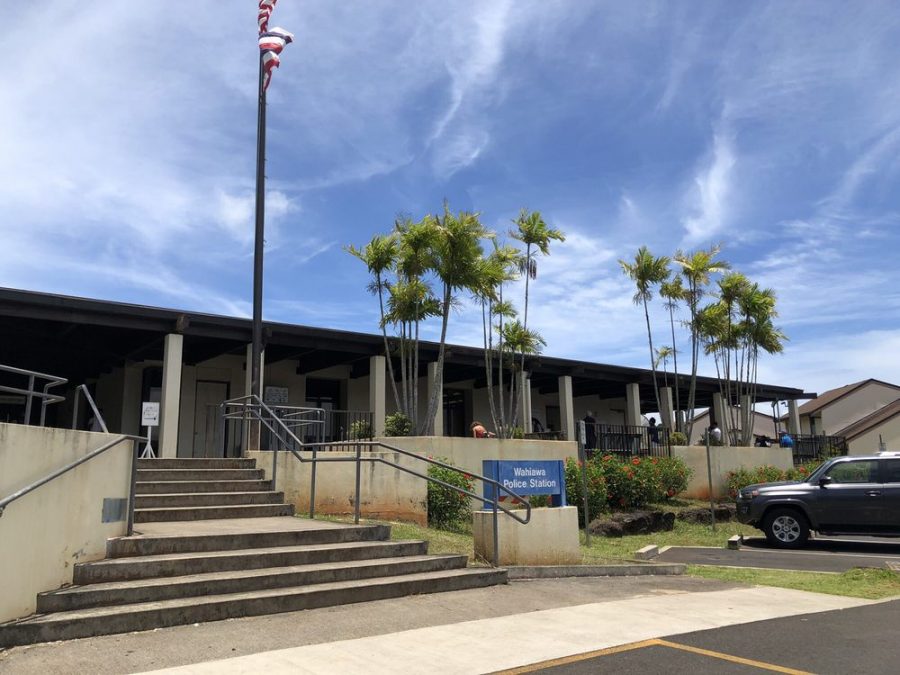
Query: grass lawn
x=873 y=584
x=858 y=583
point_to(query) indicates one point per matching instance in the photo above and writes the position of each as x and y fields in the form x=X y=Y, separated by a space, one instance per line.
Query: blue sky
x=128 y=145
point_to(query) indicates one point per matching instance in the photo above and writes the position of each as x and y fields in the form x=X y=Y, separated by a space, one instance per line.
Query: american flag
x=271 y=42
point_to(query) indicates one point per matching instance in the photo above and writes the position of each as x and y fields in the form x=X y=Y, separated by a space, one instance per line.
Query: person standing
x=653 y=431
x=715 y=434
x=590 y=431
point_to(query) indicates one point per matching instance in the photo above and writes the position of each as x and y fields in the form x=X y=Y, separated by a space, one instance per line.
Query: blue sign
x=527 y=477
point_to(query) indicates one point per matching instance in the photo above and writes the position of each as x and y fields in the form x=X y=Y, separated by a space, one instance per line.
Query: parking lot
x=821 y=554
x=826 y=642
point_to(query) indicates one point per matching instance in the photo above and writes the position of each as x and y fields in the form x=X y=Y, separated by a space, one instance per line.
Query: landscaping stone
x=632 y=522
x=700 y=515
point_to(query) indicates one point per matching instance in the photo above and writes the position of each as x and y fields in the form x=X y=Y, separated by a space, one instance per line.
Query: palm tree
x=498 y=268
x=696 y=269
x=380 y=256
x=532 y=231
x=647 y=271
x=519 y=340
x=663 y=354
x=457 y=256
x=673 y=292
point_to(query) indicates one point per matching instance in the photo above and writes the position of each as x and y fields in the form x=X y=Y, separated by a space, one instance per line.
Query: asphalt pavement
x=854 y=640
x=823 y=554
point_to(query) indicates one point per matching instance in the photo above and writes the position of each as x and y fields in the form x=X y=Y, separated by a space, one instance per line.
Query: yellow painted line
x=534 y=667
x=734 y=659
x=577 y=657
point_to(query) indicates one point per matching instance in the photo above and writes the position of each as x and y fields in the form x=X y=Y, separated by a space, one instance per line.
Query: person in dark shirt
x=590 y=431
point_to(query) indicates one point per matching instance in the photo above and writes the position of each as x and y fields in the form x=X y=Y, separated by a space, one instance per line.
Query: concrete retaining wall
x=47 y=531
x=386 y=493
x=725 y=460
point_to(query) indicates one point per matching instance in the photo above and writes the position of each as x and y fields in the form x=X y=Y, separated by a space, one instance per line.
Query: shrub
x=397 y=424
x=596 y=487
x=360 y=429
x=674 y=476
x=629 y=483
x=678 y=438
x=447 y=507
x=738 y=480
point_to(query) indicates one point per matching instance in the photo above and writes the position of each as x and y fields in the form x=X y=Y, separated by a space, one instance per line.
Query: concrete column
x=794 y=418
x=171 y=396
x=720 y=413
x=665 y=400
x=438 y=388
x=524 y=411
x=377 y=397
x=633 y=404
x=567 y=407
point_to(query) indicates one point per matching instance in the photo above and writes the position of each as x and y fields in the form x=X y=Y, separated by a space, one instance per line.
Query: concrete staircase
x=212 y=541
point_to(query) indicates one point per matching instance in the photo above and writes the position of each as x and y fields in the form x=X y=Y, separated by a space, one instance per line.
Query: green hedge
x=623 y=484
x=447 y=507
x=738 y=480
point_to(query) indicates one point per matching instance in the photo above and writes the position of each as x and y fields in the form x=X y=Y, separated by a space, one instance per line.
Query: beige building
x=832 y=412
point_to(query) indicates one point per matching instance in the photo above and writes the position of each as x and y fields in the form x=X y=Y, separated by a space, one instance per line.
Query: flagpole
x=256 y=366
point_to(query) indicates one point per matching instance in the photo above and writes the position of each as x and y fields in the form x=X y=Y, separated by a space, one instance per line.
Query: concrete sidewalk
x=447 y=632
x=489 y=645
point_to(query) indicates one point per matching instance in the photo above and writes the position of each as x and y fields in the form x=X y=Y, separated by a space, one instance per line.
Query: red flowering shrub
x=596 y=487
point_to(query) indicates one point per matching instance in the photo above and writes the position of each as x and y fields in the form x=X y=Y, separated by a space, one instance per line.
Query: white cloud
x=711 y=192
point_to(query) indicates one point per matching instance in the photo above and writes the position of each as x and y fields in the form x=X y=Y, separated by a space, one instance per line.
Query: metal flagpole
x=260 y=236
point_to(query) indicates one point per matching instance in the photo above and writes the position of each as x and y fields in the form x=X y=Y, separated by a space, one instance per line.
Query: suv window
x=865 y=471
x=892 y=475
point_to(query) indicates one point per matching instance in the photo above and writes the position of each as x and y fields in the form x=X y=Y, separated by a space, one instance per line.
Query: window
x=892 y=473
x=855 y=472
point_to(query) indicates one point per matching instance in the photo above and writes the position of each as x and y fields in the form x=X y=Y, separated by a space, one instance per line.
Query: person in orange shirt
x=478 y=431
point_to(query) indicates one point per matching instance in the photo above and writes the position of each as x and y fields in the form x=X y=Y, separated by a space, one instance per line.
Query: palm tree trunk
x=387 y=351
x=428 y=424
x=678 y=424
x=652 y=360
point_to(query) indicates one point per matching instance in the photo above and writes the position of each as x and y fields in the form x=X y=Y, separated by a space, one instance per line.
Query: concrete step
x=182 y=564
x=241 y=581
x=197 y=463
x=150 y=475
x=123 y=547
x=173 y=486
x=207 y=499
x=212 y=512
x=144 y=616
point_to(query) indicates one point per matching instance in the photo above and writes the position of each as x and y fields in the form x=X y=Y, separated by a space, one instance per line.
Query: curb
x=566 y=571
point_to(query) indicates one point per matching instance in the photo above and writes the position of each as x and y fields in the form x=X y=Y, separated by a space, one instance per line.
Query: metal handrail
x=252 y=405
x=82 y=389
x=6 y=501
x=30 y=393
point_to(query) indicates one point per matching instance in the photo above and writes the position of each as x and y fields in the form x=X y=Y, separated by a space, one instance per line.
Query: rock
x=700 y=515
x=632 y=522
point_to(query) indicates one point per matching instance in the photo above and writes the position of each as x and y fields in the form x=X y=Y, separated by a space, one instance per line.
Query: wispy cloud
x=708 y=198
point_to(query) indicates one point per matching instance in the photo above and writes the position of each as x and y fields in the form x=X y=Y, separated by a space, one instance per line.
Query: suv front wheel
x=786 y=528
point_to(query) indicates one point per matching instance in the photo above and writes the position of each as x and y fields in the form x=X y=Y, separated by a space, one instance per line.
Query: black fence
x=808 y=448
x=321 y=426
x=627 y=441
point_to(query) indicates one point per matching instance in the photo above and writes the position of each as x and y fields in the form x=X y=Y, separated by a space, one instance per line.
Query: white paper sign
x=275 y=395
x=149 y=414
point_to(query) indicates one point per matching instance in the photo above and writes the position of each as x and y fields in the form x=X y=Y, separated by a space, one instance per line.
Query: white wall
x=59 y=524
x=726 y=459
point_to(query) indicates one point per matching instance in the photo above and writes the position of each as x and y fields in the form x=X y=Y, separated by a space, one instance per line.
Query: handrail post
x=75 y=411
x=496 y=531
x=28 y=400
x=131 y=495
x=358 y=475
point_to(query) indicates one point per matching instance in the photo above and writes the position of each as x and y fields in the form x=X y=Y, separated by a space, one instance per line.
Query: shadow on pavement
x=876 y=546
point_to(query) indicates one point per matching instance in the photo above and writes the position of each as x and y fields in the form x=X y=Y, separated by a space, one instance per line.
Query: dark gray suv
x=845 y=495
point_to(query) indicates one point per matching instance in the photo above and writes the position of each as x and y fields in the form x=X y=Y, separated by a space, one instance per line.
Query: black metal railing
x=11 y=382
x=809 y=448
x=251 y=412
x=627 y=440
